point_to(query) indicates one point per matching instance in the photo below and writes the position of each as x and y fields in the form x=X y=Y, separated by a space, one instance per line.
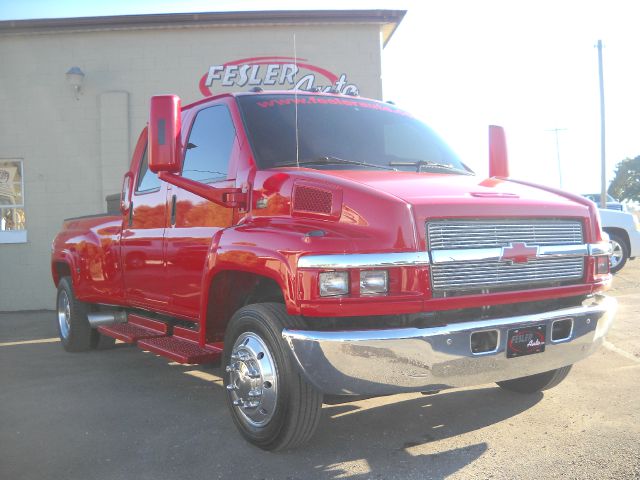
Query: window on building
x=12 y=217
x=209 y=146
x=147 y=180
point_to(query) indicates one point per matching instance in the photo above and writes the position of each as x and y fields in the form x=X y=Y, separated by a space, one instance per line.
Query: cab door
x=142 y=241
x=194 y=221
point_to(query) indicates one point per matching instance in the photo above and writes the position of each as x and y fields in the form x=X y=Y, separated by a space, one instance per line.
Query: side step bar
x=182 y=347
x=178 y=343
x=136 y=328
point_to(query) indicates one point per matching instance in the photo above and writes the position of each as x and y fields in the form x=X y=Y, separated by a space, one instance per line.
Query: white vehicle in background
x=612 y=203
x=624 y=234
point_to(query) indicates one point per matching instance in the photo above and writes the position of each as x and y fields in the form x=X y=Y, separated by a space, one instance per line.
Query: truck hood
x=446 y=195
x=389 y=211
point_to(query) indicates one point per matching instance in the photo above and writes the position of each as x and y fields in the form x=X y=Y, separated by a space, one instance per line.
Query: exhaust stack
x=498 y=160
x=101 y=319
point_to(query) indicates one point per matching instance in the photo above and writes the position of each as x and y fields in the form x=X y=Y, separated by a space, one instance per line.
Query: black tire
x=536 y=383
x=286 y=412
x=74 y=330
x=620 y=252
x=101 y=342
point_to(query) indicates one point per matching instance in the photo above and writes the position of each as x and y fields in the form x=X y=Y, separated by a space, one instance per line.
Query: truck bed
x=88 y=250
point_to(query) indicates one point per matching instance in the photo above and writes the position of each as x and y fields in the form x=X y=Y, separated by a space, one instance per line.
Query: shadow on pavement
x=387 y=436
x=122 y=414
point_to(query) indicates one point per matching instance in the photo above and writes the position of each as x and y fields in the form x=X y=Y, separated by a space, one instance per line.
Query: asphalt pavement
x=128 y=414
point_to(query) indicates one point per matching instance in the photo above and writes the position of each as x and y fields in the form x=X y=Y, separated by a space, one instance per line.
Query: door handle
x=130 y=214
x=173 y=210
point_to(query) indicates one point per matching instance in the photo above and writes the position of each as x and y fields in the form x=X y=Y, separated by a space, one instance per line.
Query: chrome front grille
x=449 y=234
x=481 y=273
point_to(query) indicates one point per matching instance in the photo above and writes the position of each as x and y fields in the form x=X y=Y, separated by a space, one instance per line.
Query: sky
x=461 y=65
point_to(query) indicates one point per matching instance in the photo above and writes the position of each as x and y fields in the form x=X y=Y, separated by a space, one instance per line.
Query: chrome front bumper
x=381 y=362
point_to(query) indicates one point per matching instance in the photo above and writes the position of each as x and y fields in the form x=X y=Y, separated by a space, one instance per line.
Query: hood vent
x=308 y=199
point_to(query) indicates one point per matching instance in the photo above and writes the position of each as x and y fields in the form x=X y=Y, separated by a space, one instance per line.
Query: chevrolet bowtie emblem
x=518 y=252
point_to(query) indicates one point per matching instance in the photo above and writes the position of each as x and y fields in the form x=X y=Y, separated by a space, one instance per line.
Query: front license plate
x=525 y=341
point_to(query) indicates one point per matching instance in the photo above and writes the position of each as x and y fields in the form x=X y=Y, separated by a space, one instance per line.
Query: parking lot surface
x=128 y=414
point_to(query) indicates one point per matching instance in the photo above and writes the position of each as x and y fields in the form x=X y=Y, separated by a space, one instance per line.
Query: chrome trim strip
x=494 y=254
x=380 y=362
x=602 y=248
x=466 y=255
x=364 y=260
x=563 y=250
x=413 y=259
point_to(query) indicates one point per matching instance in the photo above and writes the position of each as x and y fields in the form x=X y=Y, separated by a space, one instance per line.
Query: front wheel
x=536 y=383
x=272 y=405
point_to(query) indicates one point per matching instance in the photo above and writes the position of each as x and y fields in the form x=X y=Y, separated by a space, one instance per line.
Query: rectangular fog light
x=374 y=282
x=602 y=265
x=334 y=283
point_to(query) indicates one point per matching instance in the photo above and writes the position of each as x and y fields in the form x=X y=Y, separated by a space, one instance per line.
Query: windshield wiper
x=331 y=160
x=429 y=164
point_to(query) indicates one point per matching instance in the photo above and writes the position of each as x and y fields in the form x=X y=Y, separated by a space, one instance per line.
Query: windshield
x=341 y=133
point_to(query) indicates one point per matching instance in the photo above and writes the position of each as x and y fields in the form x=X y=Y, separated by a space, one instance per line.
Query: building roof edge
x=389 y=18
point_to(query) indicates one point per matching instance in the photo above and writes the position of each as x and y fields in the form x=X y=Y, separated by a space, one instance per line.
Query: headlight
x=374 y=282
x=334 y=283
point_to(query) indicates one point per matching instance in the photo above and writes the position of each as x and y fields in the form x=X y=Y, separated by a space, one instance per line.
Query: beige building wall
x=75 y=151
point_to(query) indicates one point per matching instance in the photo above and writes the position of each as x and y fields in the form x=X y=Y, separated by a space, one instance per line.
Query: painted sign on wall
x=274 y=73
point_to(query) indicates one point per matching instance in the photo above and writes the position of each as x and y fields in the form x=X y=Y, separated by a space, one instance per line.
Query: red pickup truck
x=324 y=247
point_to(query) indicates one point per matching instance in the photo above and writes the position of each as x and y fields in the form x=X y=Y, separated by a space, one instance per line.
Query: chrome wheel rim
x=253 y=380
x=617 y=254
x=64 y=314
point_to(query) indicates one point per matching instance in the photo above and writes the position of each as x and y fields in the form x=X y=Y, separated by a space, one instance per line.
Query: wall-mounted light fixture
x=75 y=77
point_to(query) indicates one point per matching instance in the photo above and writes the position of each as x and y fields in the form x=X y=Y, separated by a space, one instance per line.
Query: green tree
x=626 y=183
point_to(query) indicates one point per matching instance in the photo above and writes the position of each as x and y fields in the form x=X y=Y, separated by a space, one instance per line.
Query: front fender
x=270 y=249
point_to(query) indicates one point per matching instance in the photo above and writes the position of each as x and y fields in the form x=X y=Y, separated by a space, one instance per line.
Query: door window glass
x=209 y=146
x=147 y=180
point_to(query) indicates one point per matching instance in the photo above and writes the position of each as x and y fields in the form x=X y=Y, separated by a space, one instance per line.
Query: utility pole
x=603 y=174
x=556 y=130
